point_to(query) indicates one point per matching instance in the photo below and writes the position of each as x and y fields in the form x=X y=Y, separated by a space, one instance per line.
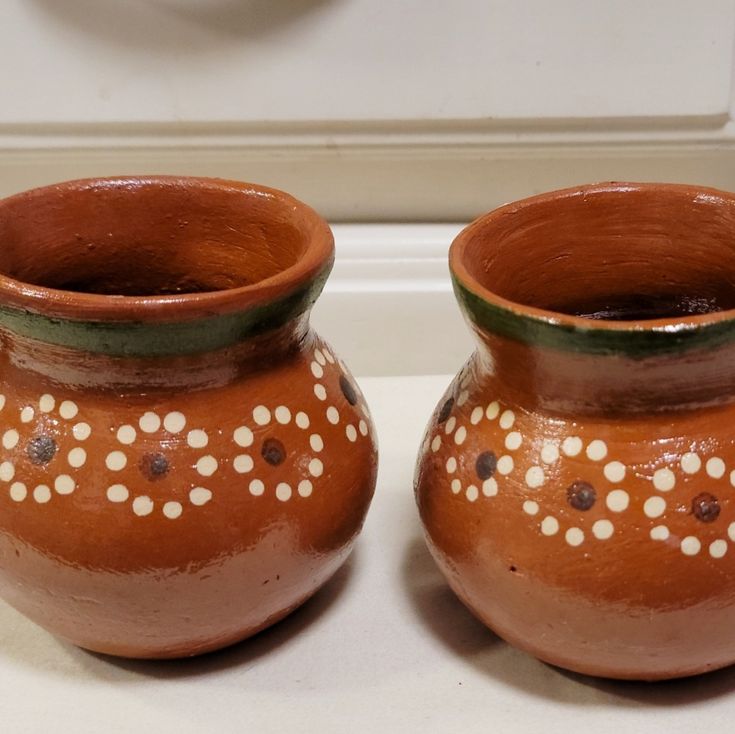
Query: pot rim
x=533 y=324
x=315 y=261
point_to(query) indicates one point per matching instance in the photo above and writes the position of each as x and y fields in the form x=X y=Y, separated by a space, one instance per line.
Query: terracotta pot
x=183 y=461
x=576 y=480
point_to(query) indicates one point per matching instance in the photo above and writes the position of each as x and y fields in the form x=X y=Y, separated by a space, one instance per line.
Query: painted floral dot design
x=147 y=446
x=173 y=460
x=34 y=466
x=261 y=448
x=601 y=482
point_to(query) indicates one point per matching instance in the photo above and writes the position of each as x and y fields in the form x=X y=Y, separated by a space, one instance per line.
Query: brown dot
x=41 y=449
x=273 y=451
x=445 y=410
x=348 y=390
x=486 y=464
x=705 y=507
x=581 y=495
x=153 y=466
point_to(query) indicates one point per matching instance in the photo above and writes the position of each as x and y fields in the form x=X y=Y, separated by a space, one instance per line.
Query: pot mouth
x=635 y=268
x=152 y=249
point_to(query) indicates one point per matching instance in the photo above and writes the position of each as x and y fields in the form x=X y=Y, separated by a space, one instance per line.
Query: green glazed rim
x=550 y=329
x=146 y=339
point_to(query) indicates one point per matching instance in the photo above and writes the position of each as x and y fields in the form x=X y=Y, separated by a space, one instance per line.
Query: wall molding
x=419 y=172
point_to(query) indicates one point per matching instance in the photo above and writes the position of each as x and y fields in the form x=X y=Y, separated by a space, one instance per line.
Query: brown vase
x=576 y=482
x=183 y=461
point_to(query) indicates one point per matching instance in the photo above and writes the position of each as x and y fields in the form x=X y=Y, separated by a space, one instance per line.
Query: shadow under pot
x=576 y=480
x=183 y=461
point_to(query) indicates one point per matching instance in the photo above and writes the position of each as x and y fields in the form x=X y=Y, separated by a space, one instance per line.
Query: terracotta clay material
x=576 y=480
x=183 y=461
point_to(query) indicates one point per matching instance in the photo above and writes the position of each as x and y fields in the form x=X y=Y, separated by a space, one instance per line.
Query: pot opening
x=608 y=252
x=150 y=237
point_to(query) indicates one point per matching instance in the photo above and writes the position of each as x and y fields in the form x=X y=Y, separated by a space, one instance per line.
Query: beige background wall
x=410 y=110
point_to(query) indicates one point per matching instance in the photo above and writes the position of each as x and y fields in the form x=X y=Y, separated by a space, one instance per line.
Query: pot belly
x=165 y=525
x=604 y=546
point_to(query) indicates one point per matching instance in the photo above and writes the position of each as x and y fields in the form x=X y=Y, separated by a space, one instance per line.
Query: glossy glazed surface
x=177 y=471
x=576 y=479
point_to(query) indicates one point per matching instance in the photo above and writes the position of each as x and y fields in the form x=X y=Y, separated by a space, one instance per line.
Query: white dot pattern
x=118 y=493
x=64 y=484
x=143 y=506
x=664 y=480
x=715 y=467
x=617 y=500
x=614 y=471
x=718 y=548
x=42 y=494
x=149 y=422
x=243 y=436
x=243 y=463
x=174 y=422
x=126 y=435
x=68 y=409
x=46 y=403
x=261 y=415
x=654 y=507
x=172 y=510
x=572 y=445
x=10 y=439
x=152 y=434
x=550 y=453
x=513 y=441
x=115 y=461
x=206 y=465
x=283 y=415
x=691 y=463
x=283 y=491
x=77 y=457
x=197 y=438
x=7 y=471
x=690 y=546
x=490 y=487
x=18 y=491
x=597 y=450
x=199 y=496
x=574 y=536
x=603 y=529
x=81 y=431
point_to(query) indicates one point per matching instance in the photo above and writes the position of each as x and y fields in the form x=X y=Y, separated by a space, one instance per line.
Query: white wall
x=235 y=61
x=418 y=109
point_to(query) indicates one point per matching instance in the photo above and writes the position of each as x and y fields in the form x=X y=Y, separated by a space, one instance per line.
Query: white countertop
x=385 y=647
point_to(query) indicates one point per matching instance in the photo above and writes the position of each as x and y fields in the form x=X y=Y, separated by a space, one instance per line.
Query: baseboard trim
x=379 y=173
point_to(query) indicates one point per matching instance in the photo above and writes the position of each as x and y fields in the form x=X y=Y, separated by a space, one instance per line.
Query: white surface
x=388 y=306
x=184 y=61
x=385 y=647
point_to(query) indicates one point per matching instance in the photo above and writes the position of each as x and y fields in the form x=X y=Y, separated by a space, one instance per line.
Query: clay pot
x=576 y=480
x=183 y=461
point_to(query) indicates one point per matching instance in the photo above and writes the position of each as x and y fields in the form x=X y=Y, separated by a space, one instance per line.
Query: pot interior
x=612 y=252
x=150 y=237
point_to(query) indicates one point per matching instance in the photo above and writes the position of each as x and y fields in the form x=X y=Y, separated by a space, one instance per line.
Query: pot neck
x=187 y=370
x=127 y=355
x=579 y=376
